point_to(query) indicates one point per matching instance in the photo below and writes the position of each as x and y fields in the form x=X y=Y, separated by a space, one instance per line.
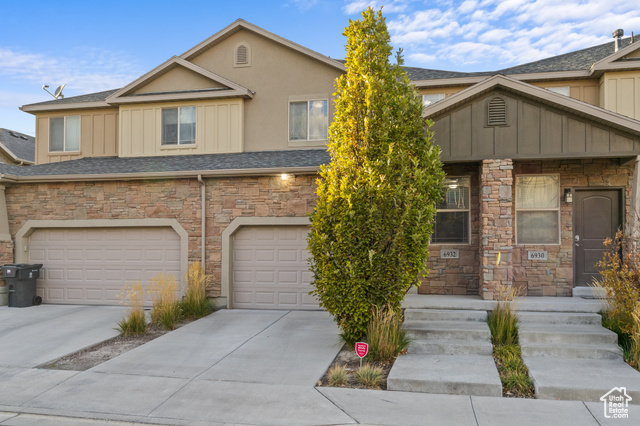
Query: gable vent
x=496 y=112
x=242 y=55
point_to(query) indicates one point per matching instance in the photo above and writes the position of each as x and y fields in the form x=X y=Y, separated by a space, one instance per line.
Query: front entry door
x=597 y=215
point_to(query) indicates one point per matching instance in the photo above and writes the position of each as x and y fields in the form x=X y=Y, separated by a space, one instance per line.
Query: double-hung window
x=538 y=209
x=64 y=134
x=308 y=120
x=179 y=126
x=453 y=216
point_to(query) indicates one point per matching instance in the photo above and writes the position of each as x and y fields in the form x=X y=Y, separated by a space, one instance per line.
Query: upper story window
x=538 y=209
x=179 y=126
x=64 y=134
x=242 y=55
x=453 y=215
x=308 y=120
x=564 y=90
x=432 y=99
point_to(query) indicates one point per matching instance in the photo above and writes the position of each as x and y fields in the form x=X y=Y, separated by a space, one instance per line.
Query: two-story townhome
x=214 y=155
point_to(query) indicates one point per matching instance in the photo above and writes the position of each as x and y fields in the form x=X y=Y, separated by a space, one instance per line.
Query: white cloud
x=389 y=6
x=422 y=58
x=87 y=71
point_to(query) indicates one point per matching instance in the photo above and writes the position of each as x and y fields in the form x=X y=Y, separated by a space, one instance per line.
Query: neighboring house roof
x=20 y=147
x=98 y=99
x=105 y=168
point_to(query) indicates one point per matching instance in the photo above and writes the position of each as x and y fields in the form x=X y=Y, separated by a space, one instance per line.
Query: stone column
x=496 y=226
x=633 y=219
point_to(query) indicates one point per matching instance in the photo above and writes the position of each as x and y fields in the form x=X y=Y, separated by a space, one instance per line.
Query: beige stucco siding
x=219 y=126
x=622 y=93
x=276 y=74
x=98 y=135
x=178 y=79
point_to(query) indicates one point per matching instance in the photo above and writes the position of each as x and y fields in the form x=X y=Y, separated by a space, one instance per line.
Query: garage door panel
x=270 y=269
x=92 y=265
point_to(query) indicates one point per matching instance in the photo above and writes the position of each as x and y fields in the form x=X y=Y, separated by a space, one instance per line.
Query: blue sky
x=98 y=45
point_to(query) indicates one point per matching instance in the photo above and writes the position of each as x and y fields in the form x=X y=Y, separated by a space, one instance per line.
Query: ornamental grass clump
x=385 y=335
x=338 y=375
x=195 y=303
x=134 y=322
x=369 y=376
x=166 y=310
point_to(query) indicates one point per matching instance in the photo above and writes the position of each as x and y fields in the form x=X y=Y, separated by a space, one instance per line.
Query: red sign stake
x=361 y=350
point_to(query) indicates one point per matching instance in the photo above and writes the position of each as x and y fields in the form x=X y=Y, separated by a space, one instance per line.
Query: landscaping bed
x=348 y=358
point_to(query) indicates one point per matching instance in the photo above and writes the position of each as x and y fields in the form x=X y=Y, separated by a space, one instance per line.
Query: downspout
x=203 y=225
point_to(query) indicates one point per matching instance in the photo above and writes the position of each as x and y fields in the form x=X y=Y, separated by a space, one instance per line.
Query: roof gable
x=625 y=58
x=205 y=85
x=240 y=24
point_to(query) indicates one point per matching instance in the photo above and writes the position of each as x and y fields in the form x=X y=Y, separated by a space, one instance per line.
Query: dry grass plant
x=338 y=375
x=633 y=354
x=195 y=303
x=370 y=376
x=385 y=335
x=166 y=310
x=134 y=322
x=503 y=322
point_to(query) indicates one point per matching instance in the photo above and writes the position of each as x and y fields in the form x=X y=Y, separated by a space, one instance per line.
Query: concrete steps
x=451 y=353
x=571 y=356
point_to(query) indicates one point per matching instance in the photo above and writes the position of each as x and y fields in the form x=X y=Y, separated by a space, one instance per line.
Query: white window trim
x=179 y=145
x=64 y=136
x=307 y=98
x=556 y=209
x=468 y=210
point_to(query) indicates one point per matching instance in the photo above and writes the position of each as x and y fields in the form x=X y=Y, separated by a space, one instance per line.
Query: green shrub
x=195 y=303
x=503 y=324
x=134 y=321
x=370 y=376
x=164 y=296
x=376 y=200
x=338 y=375
x=385 y=335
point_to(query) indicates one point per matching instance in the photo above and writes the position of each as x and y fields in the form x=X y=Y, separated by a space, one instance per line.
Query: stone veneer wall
x=554 y=277
x=457 y=276
x=227 y=198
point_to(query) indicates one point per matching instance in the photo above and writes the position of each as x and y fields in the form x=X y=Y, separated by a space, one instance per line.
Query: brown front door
x=597 y=214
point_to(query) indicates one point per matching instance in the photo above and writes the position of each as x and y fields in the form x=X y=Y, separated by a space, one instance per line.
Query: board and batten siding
x=219 y=125
x=98 y=135
x=533 y=131
x=622 y=93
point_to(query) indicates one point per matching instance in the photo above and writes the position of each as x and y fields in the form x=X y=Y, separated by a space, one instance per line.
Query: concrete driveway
x=38 y=334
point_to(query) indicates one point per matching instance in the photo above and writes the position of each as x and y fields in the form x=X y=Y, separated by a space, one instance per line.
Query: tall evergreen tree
x=376 y=199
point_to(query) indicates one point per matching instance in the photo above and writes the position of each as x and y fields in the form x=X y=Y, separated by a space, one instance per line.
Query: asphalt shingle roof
x=115 y=165
x=91 y=97
x=21 y=145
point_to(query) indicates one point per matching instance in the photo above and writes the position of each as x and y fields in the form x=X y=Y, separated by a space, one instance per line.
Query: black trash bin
x=21 y=283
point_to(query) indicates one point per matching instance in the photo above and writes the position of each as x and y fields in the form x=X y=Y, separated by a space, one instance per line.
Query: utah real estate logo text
x=616 y=403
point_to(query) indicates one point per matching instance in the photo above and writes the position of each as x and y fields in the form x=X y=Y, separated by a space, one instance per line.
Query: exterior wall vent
x=242 y=56
x=496 y=112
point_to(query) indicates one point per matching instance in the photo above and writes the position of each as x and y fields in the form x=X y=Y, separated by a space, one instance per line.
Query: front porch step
x=575 y=351
x=581 y=379
x=444 y=315
x=562 y=334
x=567 y=318
x=451 y=347
x=445 y=374
x=453 y=330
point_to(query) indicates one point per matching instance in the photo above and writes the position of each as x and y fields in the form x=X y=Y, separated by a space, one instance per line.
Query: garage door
x=91 y=265
x=270 y=268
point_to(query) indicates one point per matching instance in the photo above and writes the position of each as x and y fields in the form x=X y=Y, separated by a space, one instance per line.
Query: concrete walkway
x=250 y=367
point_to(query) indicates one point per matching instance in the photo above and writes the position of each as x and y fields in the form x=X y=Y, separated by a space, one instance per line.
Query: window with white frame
x=538 y=209
x=179 y=126
x=453 y=215
x=308 y=120
x=432 y=99
x=562 y=90
x=64 y=134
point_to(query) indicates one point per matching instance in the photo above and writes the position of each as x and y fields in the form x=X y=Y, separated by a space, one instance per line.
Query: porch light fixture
x=568 y=195
x=284 y=176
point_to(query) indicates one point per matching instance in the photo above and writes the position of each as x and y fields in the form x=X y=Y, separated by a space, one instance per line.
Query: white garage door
x=270 y=268
x=92 y=265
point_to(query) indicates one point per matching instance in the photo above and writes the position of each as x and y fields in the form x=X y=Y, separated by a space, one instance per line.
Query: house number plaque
x=449 y=254
x=537 y=255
